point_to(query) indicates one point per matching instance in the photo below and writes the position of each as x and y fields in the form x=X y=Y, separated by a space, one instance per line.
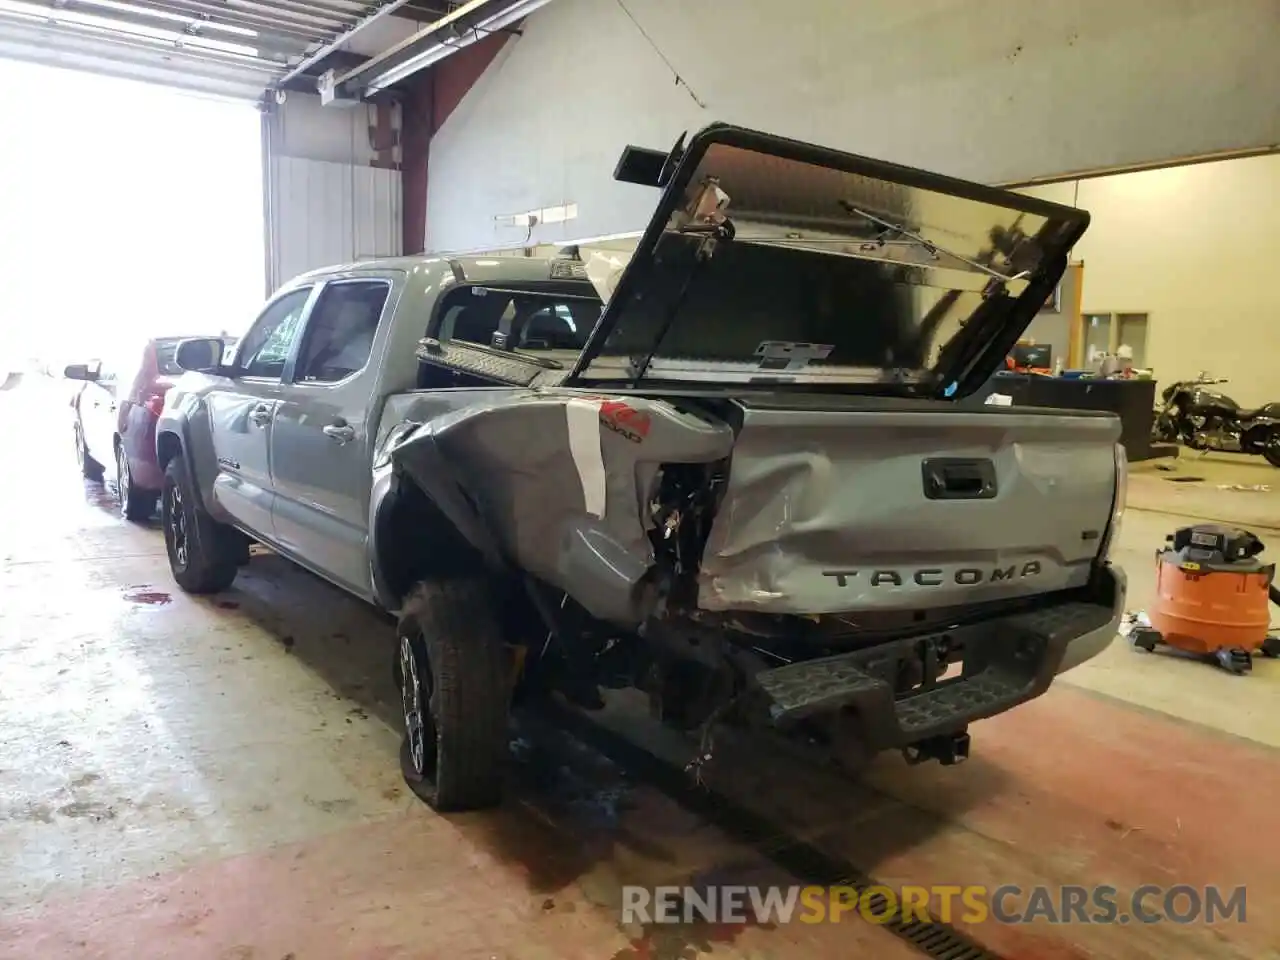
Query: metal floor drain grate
x=806 y=862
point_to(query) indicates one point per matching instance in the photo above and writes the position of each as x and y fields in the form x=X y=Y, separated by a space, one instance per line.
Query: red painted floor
x=196 y=781
x=1072 y=789
x=1078 y=789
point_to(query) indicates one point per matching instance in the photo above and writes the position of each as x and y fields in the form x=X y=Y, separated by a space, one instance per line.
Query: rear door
x=240 y=414
x=324 y=423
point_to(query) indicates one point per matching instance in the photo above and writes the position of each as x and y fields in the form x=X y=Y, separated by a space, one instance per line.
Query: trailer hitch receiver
x=948 y=749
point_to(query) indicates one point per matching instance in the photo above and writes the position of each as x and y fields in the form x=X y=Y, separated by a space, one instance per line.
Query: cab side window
x=266 y=347
x=340 y=332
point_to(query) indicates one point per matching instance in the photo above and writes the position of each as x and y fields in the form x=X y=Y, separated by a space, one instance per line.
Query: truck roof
x=499 y=268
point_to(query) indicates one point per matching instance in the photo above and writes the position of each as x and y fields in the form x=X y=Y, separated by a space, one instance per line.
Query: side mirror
x=199 y=355
x=79 y=371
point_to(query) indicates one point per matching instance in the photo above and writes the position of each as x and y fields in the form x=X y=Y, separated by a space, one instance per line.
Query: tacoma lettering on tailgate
x=935 y=577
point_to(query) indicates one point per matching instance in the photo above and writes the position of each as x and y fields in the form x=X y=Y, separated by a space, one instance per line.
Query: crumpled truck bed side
x=560 y=479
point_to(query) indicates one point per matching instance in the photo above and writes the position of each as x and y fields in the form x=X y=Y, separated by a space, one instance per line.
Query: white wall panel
x=328 y=213
x=1193 y=247
x=1000 y=91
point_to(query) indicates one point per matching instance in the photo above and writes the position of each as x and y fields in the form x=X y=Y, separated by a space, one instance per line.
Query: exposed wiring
x=680 y=81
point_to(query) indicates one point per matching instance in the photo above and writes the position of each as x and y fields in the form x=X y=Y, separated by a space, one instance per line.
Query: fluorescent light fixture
x=96 y=23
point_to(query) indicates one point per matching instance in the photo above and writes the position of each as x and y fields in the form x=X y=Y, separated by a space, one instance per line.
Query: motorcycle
x=1206 y=419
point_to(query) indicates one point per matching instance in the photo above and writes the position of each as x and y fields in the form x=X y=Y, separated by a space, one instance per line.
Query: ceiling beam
x=306 y=82
x=468 y=23
x=325 y=49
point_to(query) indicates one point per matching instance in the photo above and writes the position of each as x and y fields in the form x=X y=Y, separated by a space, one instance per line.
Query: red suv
x=116 y=409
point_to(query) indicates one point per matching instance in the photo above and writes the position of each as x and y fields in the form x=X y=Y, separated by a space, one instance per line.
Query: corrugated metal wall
x=328 y=213
x=331 y=196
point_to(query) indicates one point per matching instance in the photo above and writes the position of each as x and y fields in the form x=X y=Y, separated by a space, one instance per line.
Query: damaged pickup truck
x=740 y=475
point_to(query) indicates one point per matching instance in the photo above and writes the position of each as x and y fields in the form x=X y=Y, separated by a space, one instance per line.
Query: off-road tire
x=452 y=630
x=136 y=504
x=1271 y=448
x=90 y=468
x=212 y=549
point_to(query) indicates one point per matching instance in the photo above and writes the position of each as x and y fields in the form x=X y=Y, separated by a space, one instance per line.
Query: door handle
x=340 y=432
x=260 y=416
x=951 y=478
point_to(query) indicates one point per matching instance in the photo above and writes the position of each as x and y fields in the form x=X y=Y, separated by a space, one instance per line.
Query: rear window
x=553 y=325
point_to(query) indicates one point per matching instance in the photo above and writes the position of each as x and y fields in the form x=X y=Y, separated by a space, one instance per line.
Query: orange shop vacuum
x=1213 y=598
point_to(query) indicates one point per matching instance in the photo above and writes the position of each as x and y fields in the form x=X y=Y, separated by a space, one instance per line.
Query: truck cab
x=279 y=433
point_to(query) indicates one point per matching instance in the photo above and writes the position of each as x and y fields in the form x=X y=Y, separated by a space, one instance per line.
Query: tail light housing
x=155 y=402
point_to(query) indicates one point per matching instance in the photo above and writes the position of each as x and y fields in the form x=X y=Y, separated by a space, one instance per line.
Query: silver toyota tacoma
x=741 y=474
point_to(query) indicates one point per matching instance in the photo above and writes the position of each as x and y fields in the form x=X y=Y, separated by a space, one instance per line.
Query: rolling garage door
x=332 y=190
x=232 y=49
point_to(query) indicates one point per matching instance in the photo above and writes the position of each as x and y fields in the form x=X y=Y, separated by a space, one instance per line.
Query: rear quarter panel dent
x=512 y=453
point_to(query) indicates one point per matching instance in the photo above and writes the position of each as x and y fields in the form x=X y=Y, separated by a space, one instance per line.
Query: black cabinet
x=1133 y=401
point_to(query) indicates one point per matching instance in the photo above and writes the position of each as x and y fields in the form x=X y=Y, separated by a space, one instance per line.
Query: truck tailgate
x=834 y=508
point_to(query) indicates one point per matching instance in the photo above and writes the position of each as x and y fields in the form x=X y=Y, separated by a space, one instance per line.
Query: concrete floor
x=218 y=778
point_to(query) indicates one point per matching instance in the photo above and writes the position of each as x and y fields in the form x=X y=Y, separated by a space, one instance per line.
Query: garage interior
x=220 y=777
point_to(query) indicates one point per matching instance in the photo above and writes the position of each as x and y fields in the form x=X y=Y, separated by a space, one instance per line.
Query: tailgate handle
x=957 y=479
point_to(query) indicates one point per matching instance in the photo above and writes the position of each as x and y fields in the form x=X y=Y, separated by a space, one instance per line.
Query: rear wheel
x=452 y=670
x=90 y=468
x=203 y=554
x=135 y=503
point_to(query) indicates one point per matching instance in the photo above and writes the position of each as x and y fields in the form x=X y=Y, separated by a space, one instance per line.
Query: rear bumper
x=1007 y=661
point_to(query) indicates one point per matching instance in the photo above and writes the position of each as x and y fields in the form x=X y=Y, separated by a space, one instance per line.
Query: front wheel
x=204 y=555
x=452 y=670
x=1271 y=447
